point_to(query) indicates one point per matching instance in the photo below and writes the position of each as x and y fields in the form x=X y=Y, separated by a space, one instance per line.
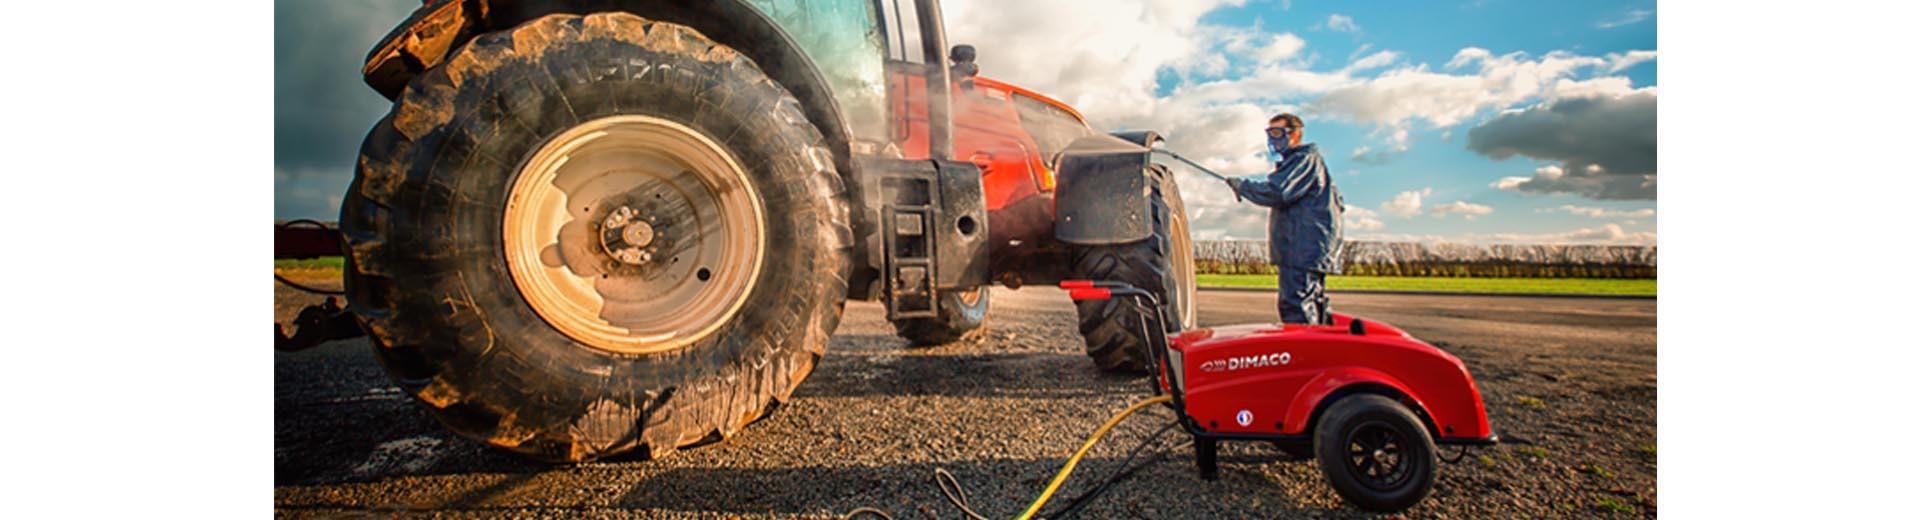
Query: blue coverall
x=1303 y=231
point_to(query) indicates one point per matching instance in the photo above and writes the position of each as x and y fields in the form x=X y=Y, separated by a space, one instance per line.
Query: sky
x=1488 y=121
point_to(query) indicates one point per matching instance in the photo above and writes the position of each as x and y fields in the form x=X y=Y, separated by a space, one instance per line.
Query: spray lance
x=1197 y=166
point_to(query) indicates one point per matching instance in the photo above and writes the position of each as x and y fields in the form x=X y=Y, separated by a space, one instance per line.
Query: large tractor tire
x=962 y=314
x=1162 y=264
x=586 y=236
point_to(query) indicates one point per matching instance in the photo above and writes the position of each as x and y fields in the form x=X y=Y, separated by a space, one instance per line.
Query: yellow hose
x=1082 y=452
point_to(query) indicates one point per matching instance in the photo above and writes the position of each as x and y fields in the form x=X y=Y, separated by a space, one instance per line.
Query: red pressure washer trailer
x=1365 y=398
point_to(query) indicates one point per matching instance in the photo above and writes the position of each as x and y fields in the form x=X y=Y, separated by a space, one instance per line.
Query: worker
x=1303 y=232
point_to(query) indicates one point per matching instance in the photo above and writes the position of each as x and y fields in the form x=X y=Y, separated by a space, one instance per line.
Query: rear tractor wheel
x=591 y=235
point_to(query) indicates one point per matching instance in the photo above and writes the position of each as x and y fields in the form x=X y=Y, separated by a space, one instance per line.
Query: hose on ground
x=958 y=496
x=1121 y=471
x=1082 y=452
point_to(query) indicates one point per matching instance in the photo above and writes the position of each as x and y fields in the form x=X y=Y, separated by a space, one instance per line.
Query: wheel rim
x=634 y=234
x=971 y=298
x=1182 y=277
x=1376 y=454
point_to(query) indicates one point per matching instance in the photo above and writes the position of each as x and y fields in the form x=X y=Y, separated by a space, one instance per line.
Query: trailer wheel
x=1162 y=264
x=591 y=235
x=962 y=314
x=1375 y=453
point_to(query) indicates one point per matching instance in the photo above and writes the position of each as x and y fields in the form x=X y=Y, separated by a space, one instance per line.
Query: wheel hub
x=1374 y=452
x=634 y=234
x=627 y=237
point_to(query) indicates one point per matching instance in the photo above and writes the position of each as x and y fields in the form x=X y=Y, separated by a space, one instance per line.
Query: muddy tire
x=1162 y=264
x=586 y=236
x=1375 y=453
x=962 y=314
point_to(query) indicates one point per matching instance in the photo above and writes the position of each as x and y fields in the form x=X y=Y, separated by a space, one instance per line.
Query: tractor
x=596 y=227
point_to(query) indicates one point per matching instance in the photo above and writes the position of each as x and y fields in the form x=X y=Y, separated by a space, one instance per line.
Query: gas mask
x=1278 y=141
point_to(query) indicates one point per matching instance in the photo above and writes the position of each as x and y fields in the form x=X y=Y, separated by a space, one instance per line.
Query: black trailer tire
x=962 y=315
x=1162 y=264
x=431 y=275
x=1393 y=478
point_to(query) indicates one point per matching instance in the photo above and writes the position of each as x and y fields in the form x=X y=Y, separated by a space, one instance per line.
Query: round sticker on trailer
x=1245 y=417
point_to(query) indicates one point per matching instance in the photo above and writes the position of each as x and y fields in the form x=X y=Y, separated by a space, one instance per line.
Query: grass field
x=310 y=264
x=330 y=267
x=1634 y=287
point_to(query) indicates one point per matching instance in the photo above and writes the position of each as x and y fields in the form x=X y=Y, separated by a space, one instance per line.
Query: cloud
x=1368 y=156
x=1109 y=59
x=1362 y=219
x=1280 y=47
x=1549 y=172
x=1463 y=208
x=1475 y=80
x=1373 y=61
x=1406 y=204
x=1617 y=62
x=1102 y=57
x=1341 y=23
x=1606 y=146
x=309 y=192
x=1605 y=234
x=1603 y=212
x=321 y=109
x=1609 y=234
x=1631 y=17
x=1611 y=86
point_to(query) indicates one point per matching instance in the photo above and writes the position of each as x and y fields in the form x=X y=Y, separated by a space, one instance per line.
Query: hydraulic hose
x=1082 y=452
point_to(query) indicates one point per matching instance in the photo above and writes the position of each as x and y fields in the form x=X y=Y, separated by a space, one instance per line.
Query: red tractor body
x=1015 y=136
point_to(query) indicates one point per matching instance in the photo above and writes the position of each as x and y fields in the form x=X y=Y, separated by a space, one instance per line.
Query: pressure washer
x=1369 y=401
x=1366 y=399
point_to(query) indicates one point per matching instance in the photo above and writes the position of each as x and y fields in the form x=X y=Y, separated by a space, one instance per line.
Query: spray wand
x=1197 y=166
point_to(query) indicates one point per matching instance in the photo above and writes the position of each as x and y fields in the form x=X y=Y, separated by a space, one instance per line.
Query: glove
x=1234 y=184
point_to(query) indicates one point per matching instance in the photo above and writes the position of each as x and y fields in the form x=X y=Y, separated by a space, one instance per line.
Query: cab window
x=1051 y=127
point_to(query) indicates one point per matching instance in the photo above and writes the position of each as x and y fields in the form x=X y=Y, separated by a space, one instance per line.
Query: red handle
x=1089 y=293
x=1076 y=284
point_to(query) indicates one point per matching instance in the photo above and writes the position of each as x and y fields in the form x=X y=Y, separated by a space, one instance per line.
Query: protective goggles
x=1279 y=132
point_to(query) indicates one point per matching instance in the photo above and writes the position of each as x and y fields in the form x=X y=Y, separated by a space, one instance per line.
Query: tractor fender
x=1144 y=138
x=1101 y=192
x=439 y=27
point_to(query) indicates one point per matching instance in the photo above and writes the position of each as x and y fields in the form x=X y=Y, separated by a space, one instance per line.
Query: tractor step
x=932 y=227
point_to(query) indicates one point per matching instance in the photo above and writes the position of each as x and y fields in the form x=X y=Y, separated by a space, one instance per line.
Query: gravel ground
x=1571 y=379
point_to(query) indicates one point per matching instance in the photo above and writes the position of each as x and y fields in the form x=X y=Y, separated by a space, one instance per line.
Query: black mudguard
x=1146 y=138
x=1100 y=195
